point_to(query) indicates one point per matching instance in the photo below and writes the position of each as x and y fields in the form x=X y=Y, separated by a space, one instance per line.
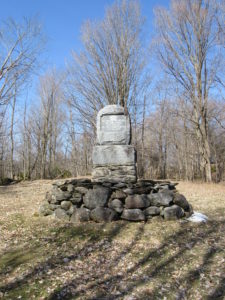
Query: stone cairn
x=114 y=191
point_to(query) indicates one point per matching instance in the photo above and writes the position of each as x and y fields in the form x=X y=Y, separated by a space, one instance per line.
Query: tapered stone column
x=114 y=159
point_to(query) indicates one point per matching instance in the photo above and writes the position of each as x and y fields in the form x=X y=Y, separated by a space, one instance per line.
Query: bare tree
x=50 y=119
x=20 y=44
x=110 y=69
x=189 y=49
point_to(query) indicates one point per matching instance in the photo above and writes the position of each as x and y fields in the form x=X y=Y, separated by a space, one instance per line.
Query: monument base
x=82 y=200
x=114 y=163
x=114 y=174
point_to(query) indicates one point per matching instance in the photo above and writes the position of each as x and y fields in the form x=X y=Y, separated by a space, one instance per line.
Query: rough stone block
x=137 y=201
x=117 y=205
x=80 y=215
x=116 y=155
x=103 y=214
x=164 y=198
x=61 y=214
x=180 y=200
x=152 y=211
x=114 y=174
x=133 y=215
x=173 y=212
x=96 y=197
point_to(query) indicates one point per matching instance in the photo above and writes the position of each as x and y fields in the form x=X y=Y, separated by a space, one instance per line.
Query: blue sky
x=62 y=20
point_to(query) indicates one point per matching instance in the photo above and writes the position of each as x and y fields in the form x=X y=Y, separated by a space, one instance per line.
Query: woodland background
x=177 y=107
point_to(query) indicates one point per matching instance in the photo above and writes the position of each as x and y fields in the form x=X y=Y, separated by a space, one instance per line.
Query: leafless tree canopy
x=177 y=109
x=189 y=48
x=110 y=68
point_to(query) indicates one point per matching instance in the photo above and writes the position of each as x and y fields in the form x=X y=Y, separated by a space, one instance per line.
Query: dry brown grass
x=43 y=258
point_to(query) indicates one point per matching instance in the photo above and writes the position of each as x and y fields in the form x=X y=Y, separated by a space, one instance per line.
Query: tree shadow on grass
x=157 y=263
x=154 y=264
x=12 y=259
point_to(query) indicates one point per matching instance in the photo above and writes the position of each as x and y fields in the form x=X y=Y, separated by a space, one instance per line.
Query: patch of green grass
x=14 y=258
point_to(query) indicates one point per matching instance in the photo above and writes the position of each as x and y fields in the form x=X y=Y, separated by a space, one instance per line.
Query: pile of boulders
x=81 y=200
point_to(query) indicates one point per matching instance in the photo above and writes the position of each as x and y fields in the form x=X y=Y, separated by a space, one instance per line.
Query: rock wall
x=81 y=200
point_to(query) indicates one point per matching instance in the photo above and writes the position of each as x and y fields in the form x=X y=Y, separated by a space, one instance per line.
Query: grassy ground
x=43 y=258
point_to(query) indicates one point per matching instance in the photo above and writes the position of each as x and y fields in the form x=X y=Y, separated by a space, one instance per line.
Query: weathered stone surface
x=82 y=190
x=61 y=214
x=113 y=126
x=117 y=205
x=48 y=197
x=133 y=215
x=119 y=185
x=65 y=205
x=173 y=212
x=128 y=191
x=59 y=195
x=118 y=194
x=54 y=206
x=70 y=188
x=45 y=209
x=71 y=210
x=103 y=214
x=96 y=197
x=152 y=211
x=180 y=200
x=114 y=174
x=116 y=155
x=189 y=212
x=164 y=198
x=137 y=201
x=59 y=183
x=76 y=198
x=80 y=215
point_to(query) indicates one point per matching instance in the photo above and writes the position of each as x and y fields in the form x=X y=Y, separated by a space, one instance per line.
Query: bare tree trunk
x=12 y=171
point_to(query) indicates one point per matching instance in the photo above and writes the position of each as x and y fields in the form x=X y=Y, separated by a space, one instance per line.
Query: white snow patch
x=198 y=217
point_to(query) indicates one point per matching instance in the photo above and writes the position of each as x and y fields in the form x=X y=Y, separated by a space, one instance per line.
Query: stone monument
x=114 y=192
x=114 y=158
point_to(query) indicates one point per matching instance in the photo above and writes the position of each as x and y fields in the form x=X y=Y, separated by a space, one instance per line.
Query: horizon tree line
x=177 y=109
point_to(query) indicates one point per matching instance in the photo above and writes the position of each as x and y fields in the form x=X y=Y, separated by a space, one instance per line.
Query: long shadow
x=188 y=280
x=153 y=272
x=58 y=260
x=219 y=291
x=65 y=289
x=154 y=254
x=180 y=239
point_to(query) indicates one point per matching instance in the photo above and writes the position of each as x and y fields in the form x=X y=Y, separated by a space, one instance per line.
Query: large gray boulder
x=137 y=201
x=103 y=214
x=76 y=198
x=45 y=209
x=113 y=126
x=66 y=205
x=164 y=198
x=133 y=215
x=58 y=195
x=173 y=212
x=180 y=200
x=61 y=214
x=97 y=197
x=118 y=194
x=152 y=211
x=80 y=215
x=116 y=204
x=82 y=190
